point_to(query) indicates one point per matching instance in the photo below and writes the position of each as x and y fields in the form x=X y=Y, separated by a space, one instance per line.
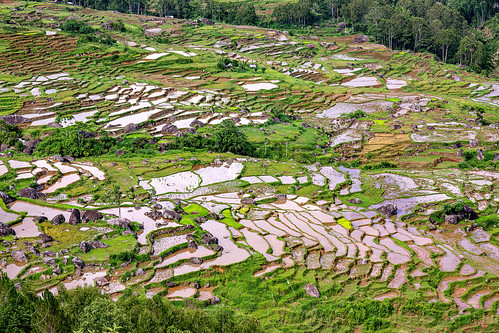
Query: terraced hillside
x=309 y=182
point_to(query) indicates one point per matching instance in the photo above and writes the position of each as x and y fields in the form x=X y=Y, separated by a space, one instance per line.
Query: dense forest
x=457 y=31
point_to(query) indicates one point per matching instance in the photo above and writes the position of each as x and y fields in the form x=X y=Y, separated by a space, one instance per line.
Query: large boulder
x=172 y=215
x=98 y=245
x=14 y=119
x=19 y=256
x=91 y=215
x=78 y=263
x=311 y=290
x=121 y=222
x=30 y=193
x=7 y=199
x=84 y=247
x=5 y=230
x=469 y=213
x=196 y=261
x=452 y=219
x=248 y=201
x=45 y=238
x=58 y=219
x=131 y=128
x=170 y=129
x=206 y=21
x=198 y=123
x=29 y=146
x=479 y=154
x=361 y=39
x=473 y=143
x=387 y=210
x=74 y=218
x=101 y=281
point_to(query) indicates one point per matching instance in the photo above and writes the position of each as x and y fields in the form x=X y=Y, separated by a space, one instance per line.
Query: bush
x=76 y=27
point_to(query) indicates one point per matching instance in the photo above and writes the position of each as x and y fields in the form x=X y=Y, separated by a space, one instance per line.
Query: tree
x=227 y=137
x=113 y=196
x=419 y=28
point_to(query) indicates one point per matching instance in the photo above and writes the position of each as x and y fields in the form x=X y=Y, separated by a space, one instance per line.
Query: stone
x=19 y=256
x=193 y=244
x=248 y=201
x=91 y=215
x=214 y=300
x=120 y=152
x=48 y=254
x=387 y=210
x=49 y=261
x=473 y=143
x=78 y=263
x=311 y=290
x=206 y=21
x=172 y=215
x=197 y=123
x=479 y=154
x=39 y=219
x=170 y=129
x=30 y=193
x=361 y=39
x=140 y=271
x=98 y=245
x=58 y=219
x=45 y=238
x=5 y=230
x=57 y=270
x=121 y=222
x=451 y=219
x=459 y=153
x=131 y=128
x=101 y=281
x=431 y=226
x=84 y=247
x=196 y=261
x=280 y=196
x=74 y=218
x=7 y=199
x=356 y=201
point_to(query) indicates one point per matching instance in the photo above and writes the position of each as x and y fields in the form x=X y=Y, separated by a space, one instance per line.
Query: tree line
x=451 y=29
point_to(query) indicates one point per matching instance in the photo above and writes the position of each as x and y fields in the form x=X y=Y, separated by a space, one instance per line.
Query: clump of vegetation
x=10 y=135
x=354 y=115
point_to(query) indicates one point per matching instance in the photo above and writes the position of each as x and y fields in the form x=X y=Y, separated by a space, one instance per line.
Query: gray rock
x=30 y=193
x=75 y=217
x=356 y=201
x=121 y=222
x=214 y=300
x=172 y=215
x=459 y=153
x=131 y=128
x=248 y=201
x=78 y=263
x=91 y=215
x=33 y=250
x=48 y=254
x=101 y=281
x=387 y=210
x=84 y=247
x=196 y=261
x=7 y=199
x=473 y=143
x=280 y=196
x=45 y=238
x=311 y=290
x=479 y=154
x=5 y=230
x=140 y=271
x=57 y=270
x=58 y=219
x=452 y=219
x=98 y=245
x=19 y=256
x=49 y=261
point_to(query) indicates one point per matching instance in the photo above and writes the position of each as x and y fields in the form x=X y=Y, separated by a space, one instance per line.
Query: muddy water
x=266 y=226
x=335 y=177
x=492 y=250
x=3 y=169
x=397 y=258
x=94 y=171
x=137 y=216
x=469 y=246
x=6 y=216
x=309 y=232
x=277 y=245
x=231 y=254
x=366 y=81
x=161 y=275
x=444 y=284
x=386 y=273
x=163 y=243
x=268 y=269
x=62 y=182
x=388 y=295
x=86 y=279
x=205 y=294
x=422 y=254
x=259 y=86
x=450 y=261
x=467 y=270
x=18 y=164
x=64 y=168
x=399 y=279
x=290 y=230
x=405 y=205
x=488 y=303
x=256 y=241
x=474 y=300
x=37 y=210
x=181 y=292
x=153 y=291
x=180 y=182
x=200 y=252
x=212 y=175
x=27 y=228
x=395 y=84
x=13 y=269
